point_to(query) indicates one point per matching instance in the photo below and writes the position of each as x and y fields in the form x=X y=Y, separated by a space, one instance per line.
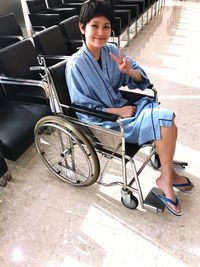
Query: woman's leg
x=166 y=149
x=176 y=177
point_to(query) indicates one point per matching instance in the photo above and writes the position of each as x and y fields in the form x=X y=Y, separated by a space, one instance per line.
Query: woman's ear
x=82 y=28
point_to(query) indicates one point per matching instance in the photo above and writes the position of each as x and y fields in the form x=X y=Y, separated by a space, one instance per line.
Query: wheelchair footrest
x=152 y=202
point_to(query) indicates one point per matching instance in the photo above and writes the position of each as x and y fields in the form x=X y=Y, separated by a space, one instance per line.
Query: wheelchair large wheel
x=155 y=161
x=66 y=151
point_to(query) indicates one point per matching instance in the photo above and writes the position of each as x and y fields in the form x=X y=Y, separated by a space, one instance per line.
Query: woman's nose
x=101 y=31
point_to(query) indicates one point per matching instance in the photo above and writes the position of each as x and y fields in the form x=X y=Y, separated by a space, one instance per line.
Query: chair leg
x=8 y=176
x=3 y=181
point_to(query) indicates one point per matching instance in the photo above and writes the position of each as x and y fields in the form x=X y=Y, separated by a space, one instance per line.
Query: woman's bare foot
x=169 y=193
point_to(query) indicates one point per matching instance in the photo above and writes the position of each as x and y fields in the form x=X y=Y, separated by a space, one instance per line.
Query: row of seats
x=11 y=32
x=46 y=13
x=68 y=40
x=22 y=96
x=23 y=100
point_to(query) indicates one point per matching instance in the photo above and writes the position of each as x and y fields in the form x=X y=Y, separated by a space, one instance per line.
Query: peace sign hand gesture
x=123 y=63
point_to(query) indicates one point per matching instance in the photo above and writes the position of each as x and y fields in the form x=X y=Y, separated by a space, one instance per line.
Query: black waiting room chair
x=41 y=15
x=10 y=30
x=51 y=42
x=71 y=31
x=22 y=98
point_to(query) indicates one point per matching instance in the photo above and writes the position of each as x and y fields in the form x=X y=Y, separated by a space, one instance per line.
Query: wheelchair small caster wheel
x=128 y=199
x=155 y=161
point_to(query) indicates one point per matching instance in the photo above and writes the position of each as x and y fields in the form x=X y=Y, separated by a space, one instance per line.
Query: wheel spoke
x=67 y=153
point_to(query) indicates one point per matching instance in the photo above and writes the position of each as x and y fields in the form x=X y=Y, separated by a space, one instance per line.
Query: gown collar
x=102 y=69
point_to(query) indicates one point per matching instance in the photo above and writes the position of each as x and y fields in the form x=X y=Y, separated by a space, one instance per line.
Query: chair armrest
x=18 y=37
x=74 y=45
x=20 y=81
x=96 y=113
x=64 y=12
x=75 y=5
x=45 y=20
x=140 y=3
x=38 y=28
x=134 y=8
x=125 y=16
x=13 y=80
x=34 y=91
x=6 y=40
x=52 y=60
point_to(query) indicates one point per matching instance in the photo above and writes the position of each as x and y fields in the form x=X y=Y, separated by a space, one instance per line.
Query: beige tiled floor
x=45 y=222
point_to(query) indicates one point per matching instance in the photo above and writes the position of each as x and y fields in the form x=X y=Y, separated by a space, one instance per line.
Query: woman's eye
x=94 y=26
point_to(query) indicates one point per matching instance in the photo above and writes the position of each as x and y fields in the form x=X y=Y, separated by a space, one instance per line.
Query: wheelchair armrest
x=133 y=96
x=155 y=94
x=96 y=113
x=150 y=86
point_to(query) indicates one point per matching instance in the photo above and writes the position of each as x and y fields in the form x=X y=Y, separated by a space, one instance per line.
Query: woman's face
x=97 y=32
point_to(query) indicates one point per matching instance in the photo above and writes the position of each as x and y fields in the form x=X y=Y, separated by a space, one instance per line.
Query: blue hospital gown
x=97 y=87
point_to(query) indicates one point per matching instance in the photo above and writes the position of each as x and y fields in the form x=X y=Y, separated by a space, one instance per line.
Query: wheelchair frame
x=81 y=141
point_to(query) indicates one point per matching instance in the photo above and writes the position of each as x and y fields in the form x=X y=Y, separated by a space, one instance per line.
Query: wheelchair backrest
x=57 y=72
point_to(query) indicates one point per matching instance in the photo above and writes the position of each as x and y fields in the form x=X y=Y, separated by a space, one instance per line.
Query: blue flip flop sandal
x=166 y=202
x=188 y=183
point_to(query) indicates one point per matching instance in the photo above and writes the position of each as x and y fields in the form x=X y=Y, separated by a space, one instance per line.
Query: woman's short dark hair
x=96 y=8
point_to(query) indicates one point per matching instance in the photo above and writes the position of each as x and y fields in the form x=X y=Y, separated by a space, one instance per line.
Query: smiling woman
x=94 y=76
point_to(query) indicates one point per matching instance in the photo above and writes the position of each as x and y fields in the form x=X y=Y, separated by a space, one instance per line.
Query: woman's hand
x=123 y=63
x=126 y=111
x=123 y=112
x=124 y=66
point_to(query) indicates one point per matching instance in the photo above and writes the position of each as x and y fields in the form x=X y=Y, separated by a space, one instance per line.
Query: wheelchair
x=70 y=148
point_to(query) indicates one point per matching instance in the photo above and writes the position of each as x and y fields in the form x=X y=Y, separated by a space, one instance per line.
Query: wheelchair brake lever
x=37 y=68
